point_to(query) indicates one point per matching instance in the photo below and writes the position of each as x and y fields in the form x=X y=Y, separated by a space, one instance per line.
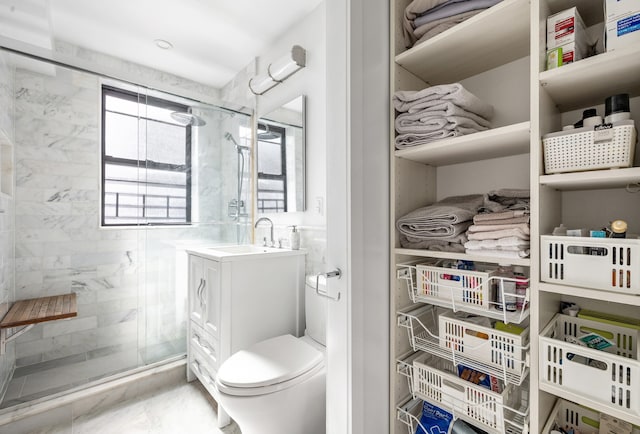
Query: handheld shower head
x=239 y=148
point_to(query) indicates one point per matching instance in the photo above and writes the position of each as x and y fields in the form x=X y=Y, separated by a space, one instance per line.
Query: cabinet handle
x=199 y=291
x=203 y=298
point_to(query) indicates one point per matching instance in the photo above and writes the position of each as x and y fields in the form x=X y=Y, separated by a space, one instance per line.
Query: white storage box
x=610 y=264
x=563 y=55
x=487 y=345
x=460 y=287
x=567 y=26
x=610 y=380
x=623 y=32
x=435 y=380
x=568 y=414
x=602 y=147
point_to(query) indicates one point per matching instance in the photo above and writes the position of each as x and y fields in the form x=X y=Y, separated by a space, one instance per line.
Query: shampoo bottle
x=294 y=238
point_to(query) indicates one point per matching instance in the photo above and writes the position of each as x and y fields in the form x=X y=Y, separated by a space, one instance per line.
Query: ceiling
x=212 y=39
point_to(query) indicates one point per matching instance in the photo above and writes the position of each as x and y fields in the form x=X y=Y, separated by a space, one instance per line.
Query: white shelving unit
x=499 y=55
x=489 y=55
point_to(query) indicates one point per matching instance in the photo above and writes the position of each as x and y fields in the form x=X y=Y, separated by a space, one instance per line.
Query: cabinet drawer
x=201 y=367
x=204 y=343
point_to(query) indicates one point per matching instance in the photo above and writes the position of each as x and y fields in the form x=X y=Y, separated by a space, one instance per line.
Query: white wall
x=309 y=81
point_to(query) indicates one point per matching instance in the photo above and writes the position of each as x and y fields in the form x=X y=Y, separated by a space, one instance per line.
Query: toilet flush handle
x=328 y=275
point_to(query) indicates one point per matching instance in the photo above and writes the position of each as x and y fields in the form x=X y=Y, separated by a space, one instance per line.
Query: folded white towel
x=404 y=141
x=497 y=244
x=446 y=23
x=502 y=222
x=441 y=110
x=496 y=235
x=403 y=100
x=412 y=11
x=524 y=227
x=500 y=253
x=500 y=215
x=404 y=125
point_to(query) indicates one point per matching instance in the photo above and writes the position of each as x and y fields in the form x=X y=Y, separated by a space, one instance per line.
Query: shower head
x=188 y=119
x=267 y=134
x=239 y=148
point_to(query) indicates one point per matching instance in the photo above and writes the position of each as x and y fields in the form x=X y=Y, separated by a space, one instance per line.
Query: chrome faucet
x=266 y=219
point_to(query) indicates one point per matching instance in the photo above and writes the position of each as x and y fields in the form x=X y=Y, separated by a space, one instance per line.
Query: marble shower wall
x=7 y=361
x=130 y=282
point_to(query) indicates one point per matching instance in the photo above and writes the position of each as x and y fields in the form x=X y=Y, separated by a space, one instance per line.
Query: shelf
x=593 y=180
x=36 y=310
x=594 y=294
x=492 y=38
x=589 y=81
x=494 y=143
x=525 y=262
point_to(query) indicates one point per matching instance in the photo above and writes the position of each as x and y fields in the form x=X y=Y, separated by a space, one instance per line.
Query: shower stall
x=101 y=196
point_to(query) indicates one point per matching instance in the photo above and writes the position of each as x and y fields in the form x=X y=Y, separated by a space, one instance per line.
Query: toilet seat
x=269 y=366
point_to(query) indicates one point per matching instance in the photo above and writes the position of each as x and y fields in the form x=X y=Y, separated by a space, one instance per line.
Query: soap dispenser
x=294 y=238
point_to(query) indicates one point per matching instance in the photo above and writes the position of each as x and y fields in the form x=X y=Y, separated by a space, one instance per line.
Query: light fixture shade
x=279 y=71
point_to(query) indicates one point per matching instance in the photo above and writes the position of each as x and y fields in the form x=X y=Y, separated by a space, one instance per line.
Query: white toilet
x=278 y=385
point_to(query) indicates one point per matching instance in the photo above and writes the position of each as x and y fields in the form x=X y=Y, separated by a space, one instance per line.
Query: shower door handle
x=328 y=275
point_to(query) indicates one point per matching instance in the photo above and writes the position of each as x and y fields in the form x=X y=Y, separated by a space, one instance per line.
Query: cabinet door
x=196 y=289
x=211 y=296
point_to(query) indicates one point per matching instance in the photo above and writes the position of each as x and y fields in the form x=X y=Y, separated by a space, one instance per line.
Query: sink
x=244 y=249
x=242 y=252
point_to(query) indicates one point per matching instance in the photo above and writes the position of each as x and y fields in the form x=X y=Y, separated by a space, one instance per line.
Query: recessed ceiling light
x=165 y=45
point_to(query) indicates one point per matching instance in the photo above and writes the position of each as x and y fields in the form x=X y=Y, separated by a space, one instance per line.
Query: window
x=272 y=168
x=146 y=160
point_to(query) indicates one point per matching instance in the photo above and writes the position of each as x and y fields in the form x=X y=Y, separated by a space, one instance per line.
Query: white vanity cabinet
x=240 y=295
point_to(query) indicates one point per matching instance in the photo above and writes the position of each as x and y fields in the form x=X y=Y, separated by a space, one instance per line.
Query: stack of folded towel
x=440 y=226
x=502 y=229
x=437 y=112
x=424 y=19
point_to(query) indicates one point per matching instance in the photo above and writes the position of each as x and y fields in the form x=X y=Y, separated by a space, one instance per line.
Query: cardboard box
x=563 y=55
x=620 y=8
x=565 y=27
x=623 y=32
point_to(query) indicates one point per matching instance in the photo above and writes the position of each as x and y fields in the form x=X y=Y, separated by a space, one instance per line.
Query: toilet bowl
x=278 y=385
x=275 y=386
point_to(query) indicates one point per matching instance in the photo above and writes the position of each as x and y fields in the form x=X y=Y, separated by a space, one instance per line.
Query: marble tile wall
x=129 y=282
x=7 y=228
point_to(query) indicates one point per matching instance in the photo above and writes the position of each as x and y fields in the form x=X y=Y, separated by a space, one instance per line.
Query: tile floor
x=180 y=408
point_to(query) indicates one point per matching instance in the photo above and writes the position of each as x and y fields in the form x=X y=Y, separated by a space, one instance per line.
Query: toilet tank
x=316 y=309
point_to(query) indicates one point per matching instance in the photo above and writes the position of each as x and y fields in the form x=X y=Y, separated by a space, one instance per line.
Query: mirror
x=281 y=159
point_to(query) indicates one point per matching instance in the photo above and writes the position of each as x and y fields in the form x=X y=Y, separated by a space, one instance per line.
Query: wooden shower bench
x=36 y=310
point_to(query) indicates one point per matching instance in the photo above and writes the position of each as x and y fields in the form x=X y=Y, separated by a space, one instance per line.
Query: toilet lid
x=269 y=362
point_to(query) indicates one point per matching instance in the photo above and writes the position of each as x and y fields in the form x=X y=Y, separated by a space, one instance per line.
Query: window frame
x=283 y=162
x=105 y=159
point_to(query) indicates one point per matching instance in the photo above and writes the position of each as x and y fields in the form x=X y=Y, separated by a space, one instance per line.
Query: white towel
x=500 y=253
x=404 y=125
x=490 y=216
x=524 y=227
x=497 y=244
x=404 y=141
x=436 y=108
x=496 y=235
x=455 y=93
x=449 y=114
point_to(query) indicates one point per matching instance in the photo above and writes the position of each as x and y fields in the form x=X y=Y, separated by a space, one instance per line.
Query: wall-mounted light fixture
x=279 y=71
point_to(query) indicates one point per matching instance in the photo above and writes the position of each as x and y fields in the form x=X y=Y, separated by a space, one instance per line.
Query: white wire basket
x=608 y=379
x=462 y=290
x=585 y=149
x=436 y=380
x=566 y=414
x=507 y=359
